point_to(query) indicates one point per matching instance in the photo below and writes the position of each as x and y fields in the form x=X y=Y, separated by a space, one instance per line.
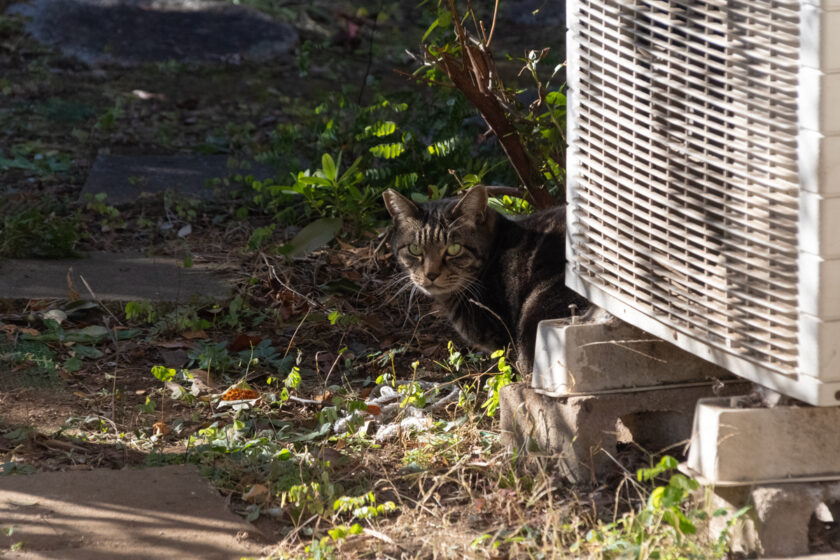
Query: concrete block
x=731 y=444
x=610 y=354
x=125 y=179
x=779 y=519
x=115 y=277
x=577 y=428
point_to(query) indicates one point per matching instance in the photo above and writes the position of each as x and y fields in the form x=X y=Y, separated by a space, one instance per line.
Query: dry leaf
x=258 y=494
x=329 y=454
x=244 y=342
x=322 y=397
x=160 y=428
x=11 y=329
x=72 y=292
x=194 y=334
x=146 y=95
x=236 y=394
x=373 y=409
x=174 y=344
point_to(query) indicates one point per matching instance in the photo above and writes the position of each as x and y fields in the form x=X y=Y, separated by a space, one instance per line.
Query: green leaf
x=93 y=331
x=318 y=233
x=444 y=16
x=88 y=352
x=430 y=29
x=329 y=167
x=655 y=499
x=125 y=334
x=685 y=525
x=380 y=129
x=163 y=373
x=72 y=365
x=668 y=463
x=555 y=98
x=388 y=151
x=320 y=181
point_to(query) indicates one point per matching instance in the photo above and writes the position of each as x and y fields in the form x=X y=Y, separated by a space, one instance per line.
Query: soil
x=107 y=416
x=161 y=513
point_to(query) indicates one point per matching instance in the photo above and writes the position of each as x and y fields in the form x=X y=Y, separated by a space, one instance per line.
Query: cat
x=494 y=276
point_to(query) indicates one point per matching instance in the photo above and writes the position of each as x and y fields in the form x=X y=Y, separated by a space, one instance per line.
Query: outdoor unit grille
x=704 y=179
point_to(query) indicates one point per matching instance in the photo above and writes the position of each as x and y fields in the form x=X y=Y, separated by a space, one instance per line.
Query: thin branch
x=493 y=25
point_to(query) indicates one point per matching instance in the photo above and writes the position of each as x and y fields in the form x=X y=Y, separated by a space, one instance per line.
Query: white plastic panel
x=820 y=356
x=819 y=163
x=818 y=293
x=820 y=48
x=819 y=233
x=819 y=94
x=703 y=179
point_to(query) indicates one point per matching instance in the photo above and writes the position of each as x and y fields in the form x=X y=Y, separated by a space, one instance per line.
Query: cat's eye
x=415 y=249
x=453 y=249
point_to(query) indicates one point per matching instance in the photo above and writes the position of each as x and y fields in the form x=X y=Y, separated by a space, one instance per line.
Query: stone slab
x=112 y=276
x=731 y=444
x=129 y=32
x=535 y=12
x=779 y=520
x=610 y=354
x=126 y=178
x=576 y=429
x=156 y=513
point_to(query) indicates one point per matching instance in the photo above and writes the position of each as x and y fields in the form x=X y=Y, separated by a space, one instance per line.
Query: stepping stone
x=126 y=178
x=129 y=32
x=113 y=276
x=155 y=513
x=534 y=12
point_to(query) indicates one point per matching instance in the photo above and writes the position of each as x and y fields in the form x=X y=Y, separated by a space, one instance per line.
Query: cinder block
x=732 y=444
x=777 y=524
x=610 y=354
x=578 y=428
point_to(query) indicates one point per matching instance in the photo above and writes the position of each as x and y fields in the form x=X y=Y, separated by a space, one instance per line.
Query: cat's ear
x=473 y=205
x=399 y=206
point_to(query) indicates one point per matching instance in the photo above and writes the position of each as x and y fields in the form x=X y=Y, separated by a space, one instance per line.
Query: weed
x=666 y=527
x=401 y=141
x=109 y=216
x=494 y=383
x=37 y=232
x=141 y=311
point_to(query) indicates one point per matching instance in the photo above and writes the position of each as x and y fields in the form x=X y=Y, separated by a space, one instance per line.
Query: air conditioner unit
x=704 y=179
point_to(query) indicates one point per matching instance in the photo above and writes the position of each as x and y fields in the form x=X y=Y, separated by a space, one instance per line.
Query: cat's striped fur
x=494 y=276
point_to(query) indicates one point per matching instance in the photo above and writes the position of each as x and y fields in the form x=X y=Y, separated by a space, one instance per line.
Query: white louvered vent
x=704 y=203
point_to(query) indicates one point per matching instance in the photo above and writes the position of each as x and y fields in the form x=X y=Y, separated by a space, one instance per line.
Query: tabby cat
x=496 y=277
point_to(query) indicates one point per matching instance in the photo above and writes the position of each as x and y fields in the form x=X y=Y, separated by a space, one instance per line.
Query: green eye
x=453 y=249
x=415 y=249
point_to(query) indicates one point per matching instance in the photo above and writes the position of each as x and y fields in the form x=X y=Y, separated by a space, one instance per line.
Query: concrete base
x=577 y=428
x=778 y=521
x=732 y=444
x=610 y=354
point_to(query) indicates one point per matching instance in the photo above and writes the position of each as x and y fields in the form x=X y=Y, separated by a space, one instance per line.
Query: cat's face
x=442 y=245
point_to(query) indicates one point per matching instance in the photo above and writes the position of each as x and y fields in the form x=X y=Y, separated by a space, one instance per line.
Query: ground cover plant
x=340 y=416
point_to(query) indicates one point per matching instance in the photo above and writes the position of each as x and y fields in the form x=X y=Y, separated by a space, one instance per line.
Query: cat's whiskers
x=408 y=307
x=404 y=279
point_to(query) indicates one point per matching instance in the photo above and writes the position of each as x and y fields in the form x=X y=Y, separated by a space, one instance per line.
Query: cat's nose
x=431 y=275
